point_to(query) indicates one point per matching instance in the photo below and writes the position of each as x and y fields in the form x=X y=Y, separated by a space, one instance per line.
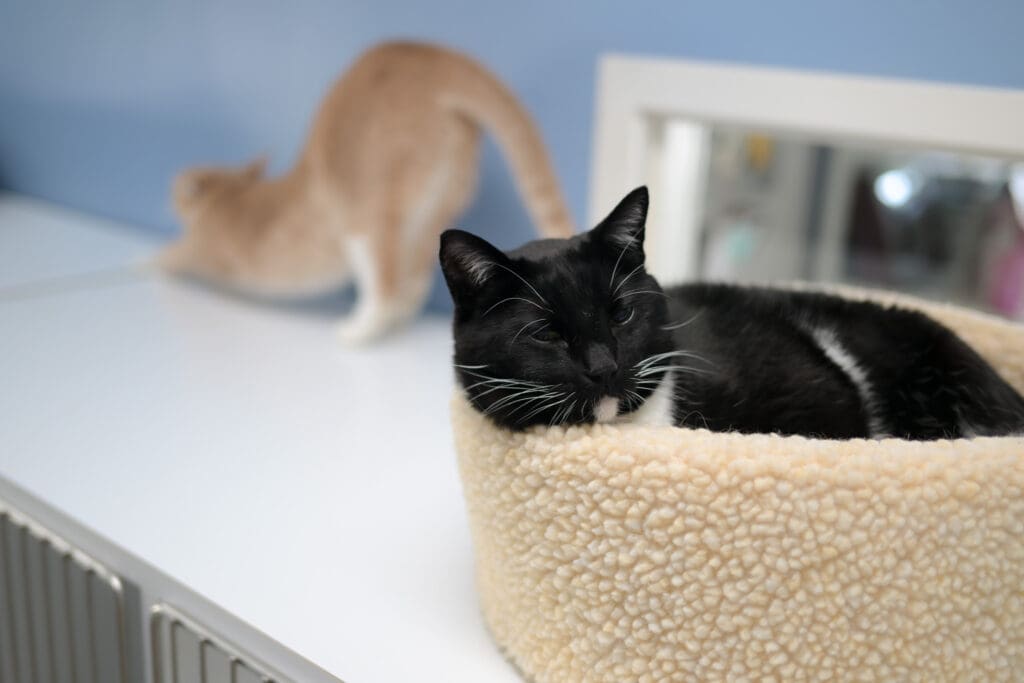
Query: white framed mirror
x=767 y=174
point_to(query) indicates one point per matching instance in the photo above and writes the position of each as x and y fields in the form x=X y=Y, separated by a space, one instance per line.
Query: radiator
x=185 y=652
x=61 y=613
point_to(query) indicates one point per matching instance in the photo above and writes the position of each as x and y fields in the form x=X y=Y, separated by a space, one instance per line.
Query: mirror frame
x=636 y=95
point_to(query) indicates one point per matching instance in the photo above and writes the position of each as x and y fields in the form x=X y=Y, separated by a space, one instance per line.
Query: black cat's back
x=755 y=372
x=808 y=363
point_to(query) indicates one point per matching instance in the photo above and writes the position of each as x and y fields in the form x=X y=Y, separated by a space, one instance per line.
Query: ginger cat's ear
x=256 y=169
x=189 y=185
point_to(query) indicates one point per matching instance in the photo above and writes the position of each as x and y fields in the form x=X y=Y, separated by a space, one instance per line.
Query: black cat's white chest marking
x=607 y=409
x=659 y=408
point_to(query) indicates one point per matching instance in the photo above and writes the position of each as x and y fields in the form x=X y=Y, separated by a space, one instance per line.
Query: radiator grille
x=187 y=653
x=61 y=613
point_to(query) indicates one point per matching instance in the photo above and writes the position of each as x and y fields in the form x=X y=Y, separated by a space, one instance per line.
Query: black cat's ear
x=468 y=262
x=623 y=228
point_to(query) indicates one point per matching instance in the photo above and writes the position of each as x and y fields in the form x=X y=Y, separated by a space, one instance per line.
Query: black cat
x=575 y=331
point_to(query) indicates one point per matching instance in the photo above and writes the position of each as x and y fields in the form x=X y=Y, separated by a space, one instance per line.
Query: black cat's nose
x=598 y=364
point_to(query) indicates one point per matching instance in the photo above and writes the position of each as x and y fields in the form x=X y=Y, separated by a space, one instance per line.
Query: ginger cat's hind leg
x=393 y=265
x=423 y=255
x=374 y=313
x=418 y=275
x=393 y=276
x=385 y=296
x=447 y=194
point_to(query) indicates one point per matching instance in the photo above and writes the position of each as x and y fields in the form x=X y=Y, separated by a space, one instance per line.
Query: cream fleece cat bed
x=626 y=553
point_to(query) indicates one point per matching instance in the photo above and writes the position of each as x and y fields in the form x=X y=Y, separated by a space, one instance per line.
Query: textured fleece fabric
x=625 y=553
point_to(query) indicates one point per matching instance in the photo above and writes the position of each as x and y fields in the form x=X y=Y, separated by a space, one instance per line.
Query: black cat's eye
x=622 y=314
x=546 y=336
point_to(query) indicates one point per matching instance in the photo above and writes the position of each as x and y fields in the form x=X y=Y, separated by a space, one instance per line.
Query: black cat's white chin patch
x=607 y=409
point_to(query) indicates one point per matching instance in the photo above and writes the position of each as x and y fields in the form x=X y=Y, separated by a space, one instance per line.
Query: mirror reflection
x=759 y=205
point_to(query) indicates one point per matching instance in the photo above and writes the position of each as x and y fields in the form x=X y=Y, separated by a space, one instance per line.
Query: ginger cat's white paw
x=366 y=325
x=359 y=330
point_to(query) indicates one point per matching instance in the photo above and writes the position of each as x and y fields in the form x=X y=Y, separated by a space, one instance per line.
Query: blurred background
x=102 y=102
x=774 y=206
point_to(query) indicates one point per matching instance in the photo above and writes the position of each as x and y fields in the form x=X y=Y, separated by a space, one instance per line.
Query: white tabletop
x=43 y=246
x=309 y=489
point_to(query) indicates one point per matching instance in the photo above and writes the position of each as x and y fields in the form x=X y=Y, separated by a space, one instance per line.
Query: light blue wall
x=101 y=101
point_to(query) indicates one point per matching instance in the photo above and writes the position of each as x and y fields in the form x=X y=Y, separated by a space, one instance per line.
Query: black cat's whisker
x=495 y=380
x=562 y=414
x=532 y=322
x=626 y=279
x=678 y=368
x=504 y=379
x=515 y=298
x=698 y=414
x=492 y=384
x=622 y=253
x=500 y=384
x=504 y=387
x=640 y=291
x=478 y=396
x=470 y=367
x=558 y=411
x=555 y=417
x=543 y=408
x=523 y=418
x=532 y=288
x=524 y=393
x=639 y=376
x=585 y=407
x=652 y=359
x=568 y=413
x=527 y=401
x=498 y=406
x=513 y=399
x=676 y=326
x=671 y=354
x=683 y=369
x=647 y=369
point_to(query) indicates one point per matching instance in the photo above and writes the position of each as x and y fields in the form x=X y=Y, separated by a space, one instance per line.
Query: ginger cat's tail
x=483 y=99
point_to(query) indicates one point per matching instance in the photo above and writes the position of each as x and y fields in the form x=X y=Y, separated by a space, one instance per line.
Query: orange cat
x=390 y=162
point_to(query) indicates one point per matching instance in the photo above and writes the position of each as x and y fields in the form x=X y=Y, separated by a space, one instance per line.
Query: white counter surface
x=43 y=247
x=309 y=489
